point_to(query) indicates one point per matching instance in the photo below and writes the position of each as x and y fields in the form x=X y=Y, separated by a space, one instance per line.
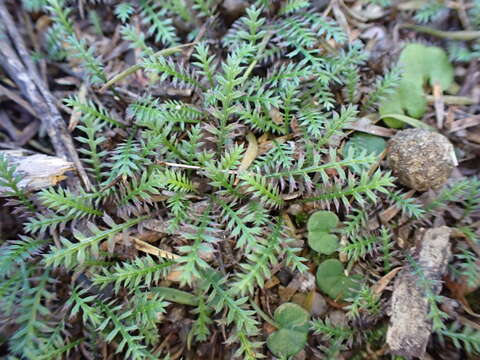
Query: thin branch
x=451 y=35
x=22 y=70
x=136 y=67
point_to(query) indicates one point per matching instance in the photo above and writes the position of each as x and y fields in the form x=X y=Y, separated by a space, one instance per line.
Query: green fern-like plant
x=76 y=253
x=33 y=329
x=198 y=151
x=141 y=272
x=77 y=48
x=10 y=183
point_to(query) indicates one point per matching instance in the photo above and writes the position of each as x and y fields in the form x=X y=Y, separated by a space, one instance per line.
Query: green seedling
x=421 y=65
x=319 y=226
x=291 y=336
x=372 y=144
x=365 y=142
x=333 y=282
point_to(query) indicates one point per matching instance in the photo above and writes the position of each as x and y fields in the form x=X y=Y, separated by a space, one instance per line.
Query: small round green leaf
x=332 y=281
x=330 y=268
x=286 y=342
x=322 y=221
x=291 y=315
x=323 y=242
x=420 y=64
x=371 y=143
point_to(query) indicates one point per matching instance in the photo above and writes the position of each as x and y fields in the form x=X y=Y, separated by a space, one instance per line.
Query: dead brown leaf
x=383 y=282
x=250 y=154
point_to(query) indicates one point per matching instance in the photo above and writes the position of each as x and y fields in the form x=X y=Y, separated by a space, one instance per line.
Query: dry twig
x=16 y=61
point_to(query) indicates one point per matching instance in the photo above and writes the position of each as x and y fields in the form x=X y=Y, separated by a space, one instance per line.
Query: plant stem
x=136 y=67
x=263 y=315
x=453 y=100
x=451 y=35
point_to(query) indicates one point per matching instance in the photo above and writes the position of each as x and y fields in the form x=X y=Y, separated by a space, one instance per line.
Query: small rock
x=295 y=209
x=285 y=276
x=234 y=8
x=306 y=282
x=338 y=318
x=176 y=314
x=319 y=305
x=313 y=302
x=421 y=159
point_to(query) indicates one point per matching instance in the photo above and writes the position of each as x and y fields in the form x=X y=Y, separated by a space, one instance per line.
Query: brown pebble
x=234 y=8
x=337 y=318
x=421 y=159
x=319 y=305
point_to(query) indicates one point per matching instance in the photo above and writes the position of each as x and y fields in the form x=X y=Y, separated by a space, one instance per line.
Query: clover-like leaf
x=286 y=342
x=371 y=143
x=291 y=336
x=319 y=226
x=421 y=64
x=291 y=315
x=333 y=282
x=323 y=242
x=322 y=221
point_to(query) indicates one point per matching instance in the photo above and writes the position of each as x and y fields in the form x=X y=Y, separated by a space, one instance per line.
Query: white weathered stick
x=38 y=171
x=410 y=327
